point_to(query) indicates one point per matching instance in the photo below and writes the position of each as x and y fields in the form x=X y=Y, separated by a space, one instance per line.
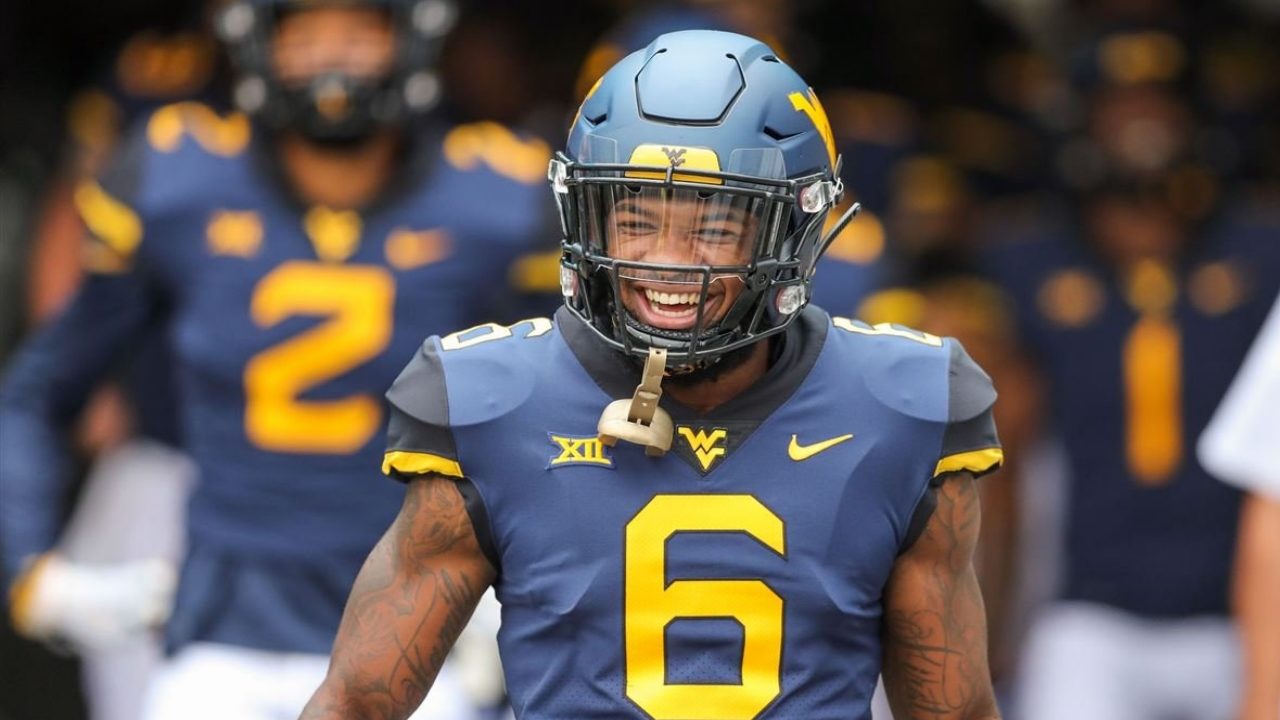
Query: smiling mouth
x=667 y=310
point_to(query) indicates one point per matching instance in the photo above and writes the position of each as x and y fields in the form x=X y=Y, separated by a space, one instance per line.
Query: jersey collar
x=797 y=350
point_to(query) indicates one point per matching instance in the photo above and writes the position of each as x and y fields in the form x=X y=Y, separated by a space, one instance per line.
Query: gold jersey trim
x=419 y=463
x=975 y=461
x=111 y=220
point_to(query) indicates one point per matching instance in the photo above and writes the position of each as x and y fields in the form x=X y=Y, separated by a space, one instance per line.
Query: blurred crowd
x=1085 y=192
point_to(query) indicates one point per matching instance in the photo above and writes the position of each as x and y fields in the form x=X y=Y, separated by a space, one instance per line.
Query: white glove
x=92 y=607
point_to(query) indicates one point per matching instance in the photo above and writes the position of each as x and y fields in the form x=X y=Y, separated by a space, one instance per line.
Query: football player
x=695 y=497
x=1137 y=304
x=295 y=254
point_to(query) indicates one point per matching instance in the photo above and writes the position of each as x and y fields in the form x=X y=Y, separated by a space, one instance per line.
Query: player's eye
x=636 y=227
x=716 y=235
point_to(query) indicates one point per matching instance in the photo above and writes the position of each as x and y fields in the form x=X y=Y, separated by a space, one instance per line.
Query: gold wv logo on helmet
x=676 y=156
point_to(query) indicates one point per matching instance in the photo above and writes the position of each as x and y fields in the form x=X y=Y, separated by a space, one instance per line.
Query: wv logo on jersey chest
x=579 y=450
x=708 y=447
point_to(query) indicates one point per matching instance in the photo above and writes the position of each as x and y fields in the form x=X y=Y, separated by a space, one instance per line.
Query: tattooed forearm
x=412 y=598
x=935 y=644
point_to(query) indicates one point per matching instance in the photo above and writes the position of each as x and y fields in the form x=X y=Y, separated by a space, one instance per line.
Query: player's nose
x=673 y=247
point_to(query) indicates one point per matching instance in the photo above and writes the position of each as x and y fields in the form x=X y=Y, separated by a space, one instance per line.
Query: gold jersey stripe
x=1153 y=395
x=112 y=221
x=975 y=461
x=418 y=463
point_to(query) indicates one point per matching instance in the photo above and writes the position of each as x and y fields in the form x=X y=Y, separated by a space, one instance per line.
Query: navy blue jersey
x=1135 y=367
x=741 y=574
x=288 y=323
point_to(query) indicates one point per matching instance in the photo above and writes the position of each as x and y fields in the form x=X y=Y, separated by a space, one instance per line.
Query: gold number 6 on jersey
x=358 y=303
x=651 y=604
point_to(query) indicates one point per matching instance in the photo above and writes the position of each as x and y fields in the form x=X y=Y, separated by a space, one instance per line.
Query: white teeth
x=662 y=298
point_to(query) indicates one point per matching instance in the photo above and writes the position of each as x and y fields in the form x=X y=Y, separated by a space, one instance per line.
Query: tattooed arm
x=413 y=596
x=935 y=633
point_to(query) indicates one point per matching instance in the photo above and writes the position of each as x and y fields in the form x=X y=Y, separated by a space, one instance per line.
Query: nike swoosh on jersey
x=799 y=452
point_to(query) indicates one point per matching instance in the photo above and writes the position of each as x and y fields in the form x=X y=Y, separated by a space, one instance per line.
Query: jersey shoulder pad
x=970 y=442
x=489 y=148
x=473 y=376
x=916 y=373
x=928 y=378
x=971 y=392
x=177 y=159
x=193 y=127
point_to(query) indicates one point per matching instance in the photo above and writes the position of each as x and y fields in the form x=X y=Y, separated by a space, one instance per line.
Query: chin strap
x=640 y=420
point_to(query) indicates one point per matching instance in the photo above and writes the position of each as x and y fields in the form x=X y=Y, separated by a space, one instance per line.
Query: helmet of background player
x=336 y=102
x=693 y=192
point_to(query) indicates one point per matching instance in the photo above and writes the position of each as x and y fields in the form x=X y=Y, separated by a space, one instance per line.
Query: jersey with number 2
x=289 y=321
x=738 y=576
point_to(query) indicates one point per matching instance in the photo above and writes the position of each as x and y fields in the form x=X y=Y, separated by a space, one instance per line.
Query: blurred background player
x=1137 y=300
x=292 y=260
x=1242 y=446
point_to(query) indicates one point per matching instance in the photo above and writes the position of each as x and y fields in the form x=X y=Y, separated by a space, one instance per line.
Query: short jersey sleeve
x=1241 y=445
x=970 y=442
x=419 y=439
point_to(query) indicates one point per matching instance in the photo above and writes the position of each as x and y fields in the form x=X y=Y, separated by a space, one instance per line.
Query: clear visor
x=654 y=232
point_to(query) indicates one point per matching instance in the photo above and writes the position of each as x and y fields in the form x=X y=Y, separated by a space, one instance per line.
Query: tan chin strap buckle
x=640 y=420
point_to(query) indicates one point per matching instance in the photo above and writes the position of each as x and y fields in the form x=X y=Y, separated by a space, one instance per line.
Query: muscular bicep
x=413 y=596
x=935 y=634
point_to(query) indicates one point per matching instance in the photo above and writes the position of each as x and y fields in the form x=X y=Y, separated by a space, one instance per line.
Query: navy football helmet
x=694 y=192
x=336 y=106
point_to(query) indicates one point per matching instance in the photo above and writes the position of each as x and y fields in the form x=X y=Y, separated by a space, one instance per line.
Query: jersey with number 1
x=288 y=322
x=738 y=576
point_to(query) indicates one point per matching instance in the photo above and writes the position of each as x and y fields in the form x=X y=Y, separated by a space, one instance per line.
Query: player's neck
x=704 y=396
x=338 y=178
